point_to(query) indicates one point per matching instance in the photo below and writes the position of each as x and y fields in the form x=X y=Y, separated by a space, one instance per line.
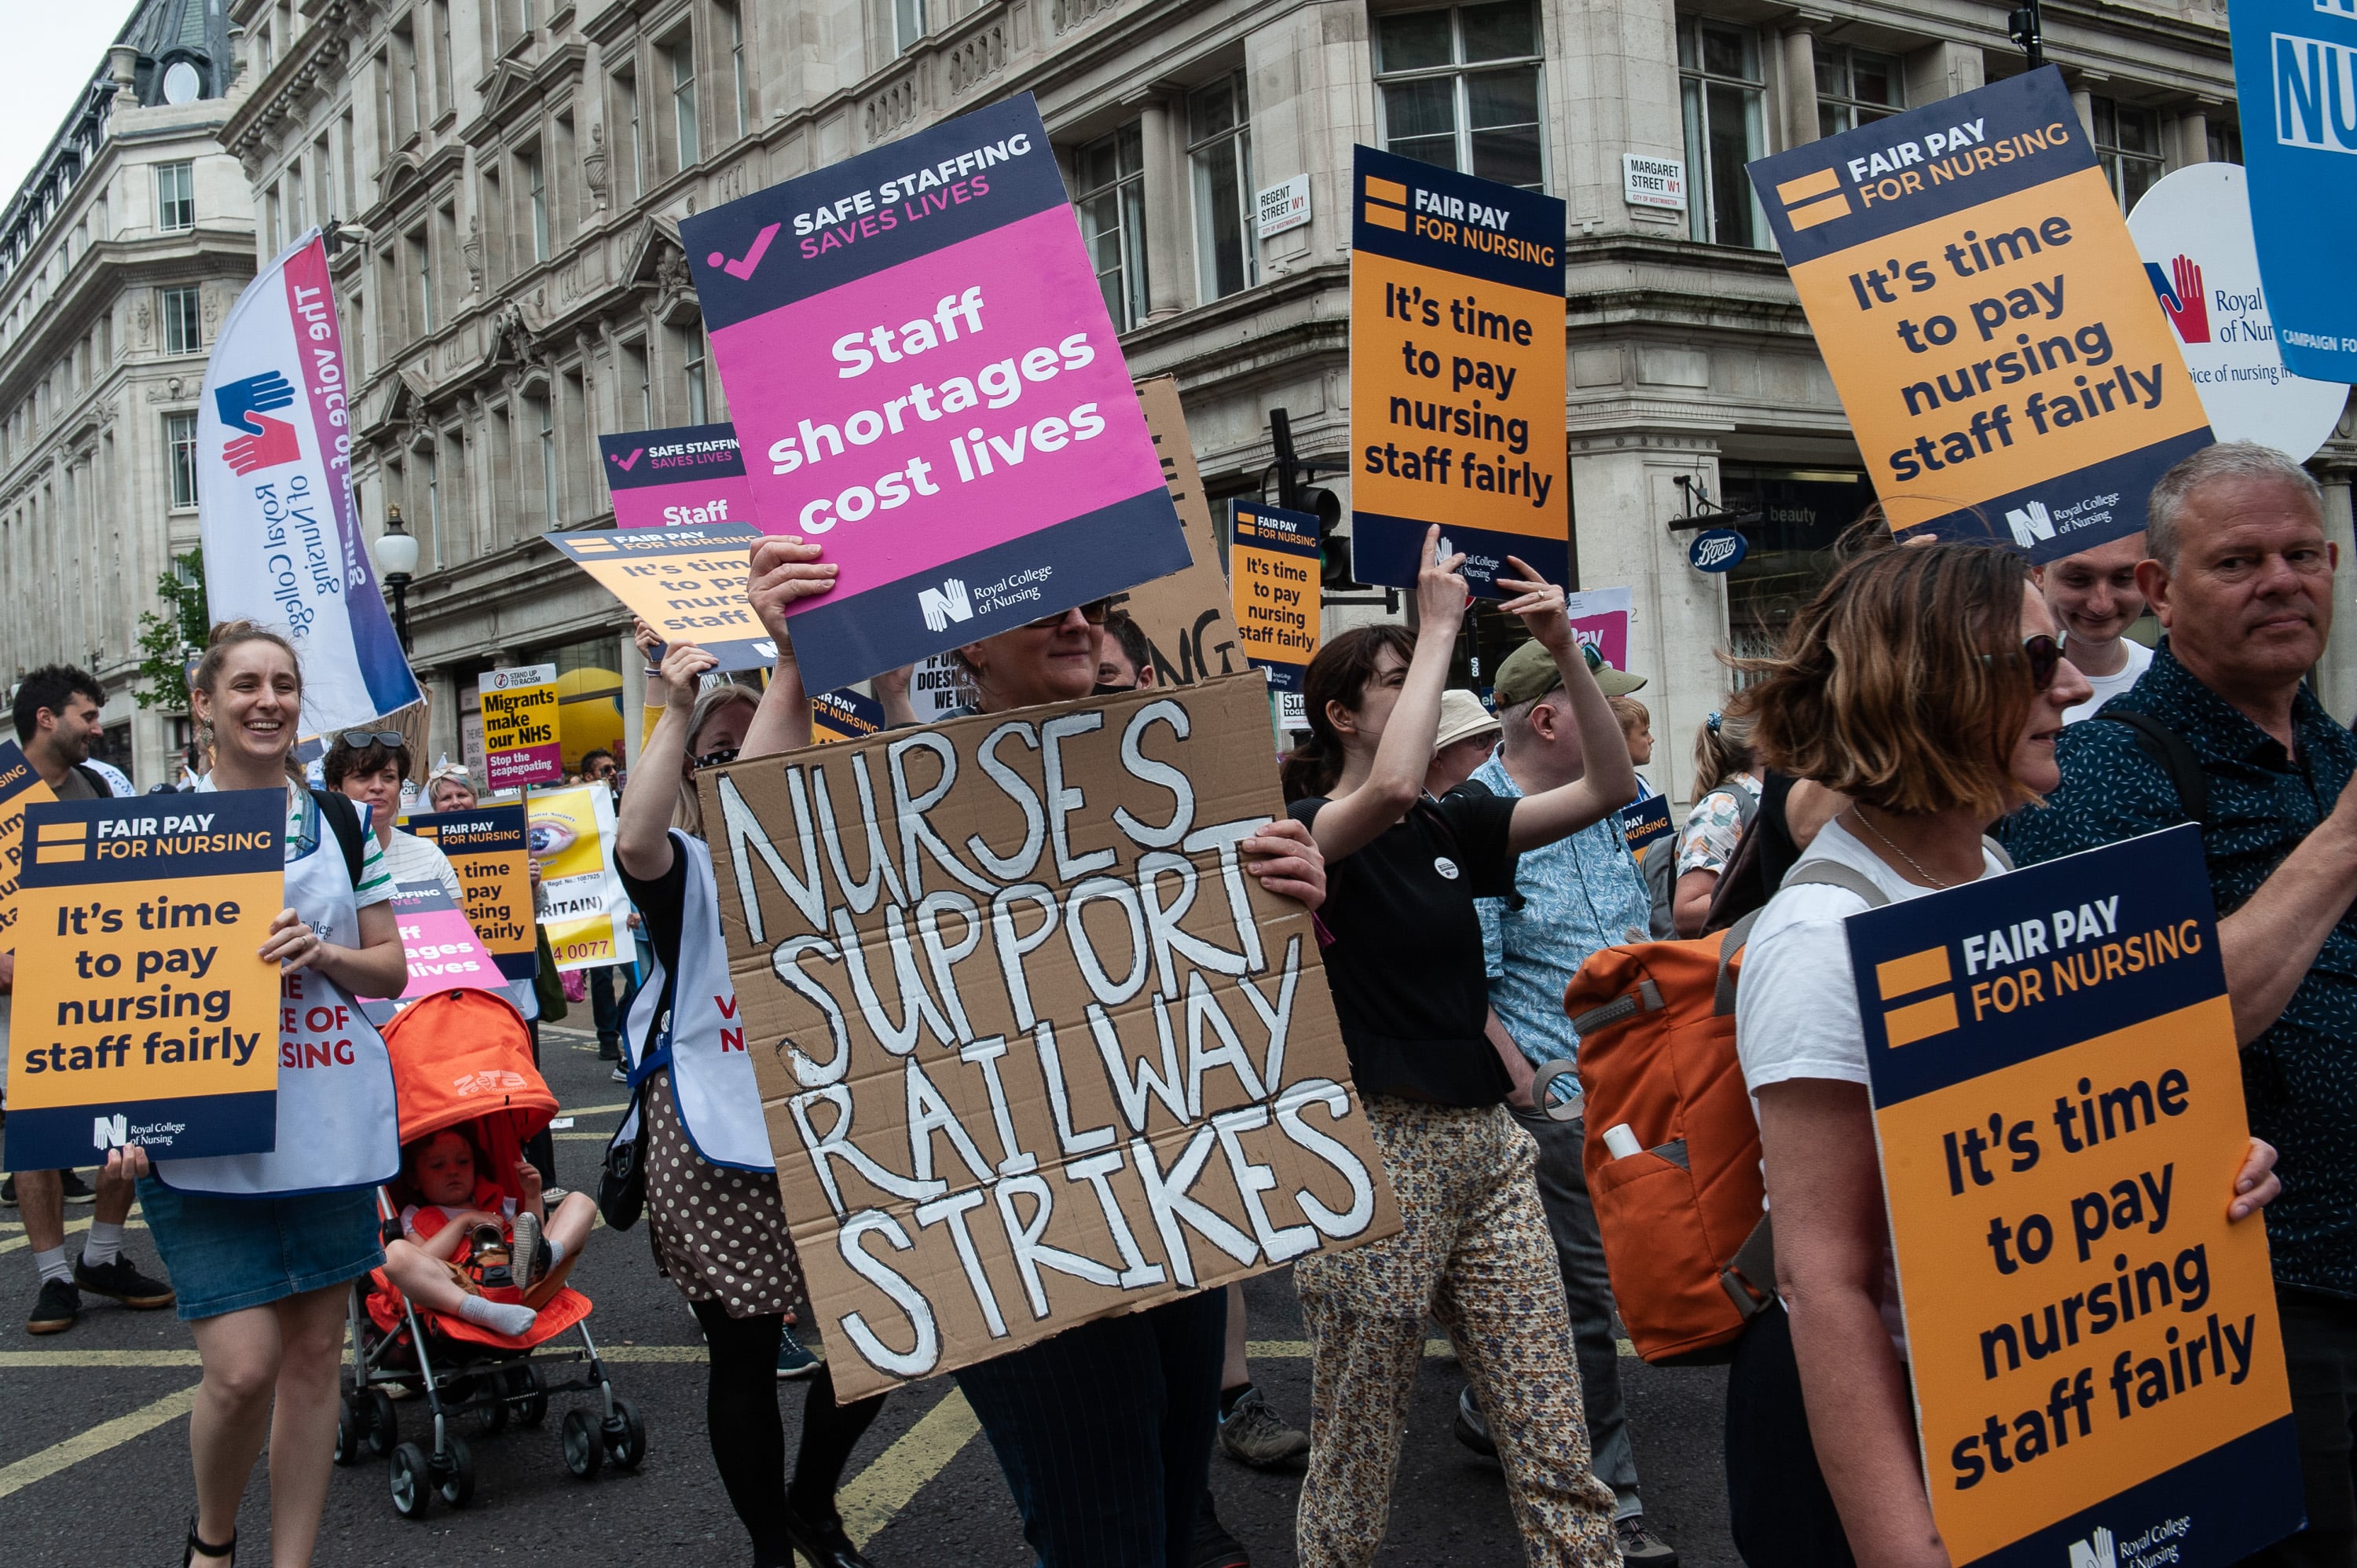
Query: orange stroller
x=464 y=1058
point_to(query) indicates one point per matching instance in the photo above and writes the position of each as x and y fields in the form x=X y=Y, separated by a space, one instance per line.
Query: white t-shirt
x=2109 y=686
x=1796 y=1009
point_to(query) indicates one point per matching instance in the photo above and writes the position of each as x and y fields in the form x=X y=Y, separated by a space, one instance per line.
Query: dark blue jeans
x=605 y=1011
x=1104 y=1433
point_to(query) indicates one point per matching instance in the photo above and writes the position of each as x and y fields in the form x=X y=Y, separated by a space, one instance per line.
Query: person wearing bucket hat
x=1468 y=733
x=1528 y=673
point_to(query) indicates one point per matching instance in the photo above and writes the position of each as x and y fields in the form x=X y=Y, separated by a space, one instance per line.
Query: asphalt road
x=93 y=1440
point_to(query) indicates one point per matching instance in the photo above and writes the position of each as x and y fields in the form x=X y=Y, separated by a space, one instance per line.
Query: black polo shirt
x=1405 y=964
x=2300 y=1076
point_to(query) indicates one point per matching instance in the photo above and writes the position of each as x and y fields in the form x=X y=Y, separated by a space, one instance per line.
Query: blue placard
x=1645 y=822
x=2294 y=61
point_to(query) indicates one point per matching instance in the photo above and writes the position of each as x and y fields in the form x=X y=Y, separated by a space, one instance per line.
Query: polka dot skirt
x=719 y=1234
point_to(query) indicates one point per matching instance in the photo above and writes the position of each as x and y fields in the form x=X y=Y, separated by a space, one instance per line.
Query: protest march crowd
x=1925 y=724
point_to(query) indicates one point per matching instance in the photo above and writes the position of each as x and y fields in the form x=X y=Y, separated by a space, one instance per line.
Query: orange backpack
x=1686 y=1235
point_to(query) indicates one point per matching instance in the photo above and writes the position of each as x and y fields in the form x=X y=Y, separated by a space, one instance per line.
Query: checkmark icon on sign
x=744 y=269
x=624 y=463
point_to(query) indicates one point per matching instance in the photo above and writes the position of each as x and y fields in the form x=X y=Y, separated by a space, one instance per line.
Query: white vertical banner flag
x=281 y=535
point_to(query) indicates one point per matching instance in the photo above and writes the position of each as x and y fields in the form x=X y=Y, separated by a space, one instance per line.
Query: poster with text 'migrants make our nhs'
x=924 y=378
x=1973 y=286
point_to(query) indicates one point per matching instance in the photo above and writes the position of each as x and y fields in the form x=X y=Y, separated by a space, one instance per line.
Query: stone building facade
x=517 y=170
x=119 y=256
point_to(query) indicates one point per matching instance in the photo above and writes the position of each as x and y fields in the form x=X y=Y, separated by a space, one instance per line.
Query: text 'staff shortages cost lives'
x=1033 y=1047
x=2059 y=1105
x=2299 y=57
x=142 y=1015
x=1273 y=567
x=921 y=370
x=486 y=848
x=690 y=474
x=1985 y=315
x=1456 y=373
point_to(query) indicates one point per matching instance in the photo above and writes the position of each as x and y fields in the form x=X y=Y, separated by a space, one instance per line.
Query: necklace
x=1914 y=865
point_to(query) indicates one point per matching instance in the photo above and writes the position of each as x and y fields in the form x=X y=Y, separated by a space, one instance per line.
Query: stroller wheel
x=412 y=1481
x=626 y=1435
x=348 y=1416
x=458 y=1473
x=379 y=1425
x=584 y=1448
x=491 y=1415
x=528 y=1394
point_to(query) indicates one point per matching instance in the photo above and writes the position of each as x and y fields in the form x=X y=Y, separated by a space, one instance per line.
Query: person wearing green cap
x=1411 y=992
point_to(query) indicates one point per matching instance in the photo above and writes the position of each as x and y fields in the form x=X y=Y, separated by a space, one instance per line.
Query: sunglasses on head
x=1095 y=612
x=360 y=739
x=2045 y=656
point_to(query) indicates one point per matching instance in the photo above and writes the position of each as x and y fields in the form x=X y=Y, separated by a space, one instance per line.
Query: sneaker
x=8 y=1192
x=795 y=1359
x=1639 y=1544
x=76 y=1190
x=1253 y=1433
x=1214 y=1547
x=619 y=1076
x=55 y=1310
x=553 y=1195
x=524 y=1263
x=120 y=1281
x=1472 y=1426
x=609 y=1050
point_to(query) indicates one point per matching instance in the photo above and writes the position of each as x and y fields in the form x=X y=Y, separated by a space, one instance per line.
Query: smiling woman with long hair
x=1927 y=687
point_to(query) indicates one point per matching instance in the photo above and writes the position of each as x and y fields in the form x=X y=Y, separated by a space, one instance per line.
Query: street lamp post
x=396 y=564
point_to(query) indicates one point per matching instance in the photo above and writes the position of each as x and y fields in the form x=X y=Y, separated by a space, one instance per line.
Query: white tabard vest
x=703 y=1037
x=338 y=1122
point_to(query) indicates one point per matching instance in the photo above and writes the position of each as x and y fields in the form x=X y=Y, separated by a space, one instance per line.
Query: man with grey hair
x=2241 y=576
x=1572 y=899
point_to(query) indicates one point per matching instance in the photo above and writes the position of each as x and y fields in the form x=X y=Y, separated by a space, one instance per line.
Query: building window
x=2127 y=143
x=634 y=373
x=433 y=461
x=907 y=23
x=270 y=205
x=182 y=319
x=626 y=115
x=1857 y=86
x=1460 y=88
x=2225 y=139
x=736 y=70
x=691 y=351
x=681 y=55
x=1726 y=115
x=442 y=97
x=181 y=442
x=1110 y=175
x=536 y=191
x=1219 y=129
x=420 y=294
x=175 y=197
x=544 y=420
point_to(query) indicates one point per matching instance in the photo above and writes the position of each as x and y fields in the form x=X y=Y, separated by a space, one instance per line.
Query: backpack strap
x=1808 y=874
x=338 y=811
x=96 y=781
x=2174 y=756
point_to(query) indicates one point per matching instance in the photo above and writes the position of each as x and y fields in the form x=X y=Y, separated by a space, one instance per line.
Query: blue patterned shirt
x=2300 y=1076
x=1580 y=895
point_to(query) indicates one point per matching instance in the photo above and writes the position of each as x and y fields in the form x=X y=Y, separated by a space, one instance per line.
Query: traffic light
x=1295 y=491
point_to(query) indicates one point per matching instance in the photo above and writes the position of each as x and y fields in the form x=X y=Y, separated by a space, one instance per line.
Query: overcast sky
x=53 y=51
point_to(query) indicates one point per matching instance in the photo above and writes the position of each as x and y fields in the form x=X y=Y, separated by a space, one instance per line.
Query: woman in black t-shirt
x=1402 y=870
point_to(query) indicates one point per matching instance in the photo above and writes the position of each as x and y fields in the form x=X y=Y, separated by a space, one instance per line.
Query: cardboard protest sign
x=2058 y=1104
x=1977 y=299
x=143 y=1017
x=846 y=714
x=1033 y=1049
x=687 y=581
x=918 y=355
x=521 y=747
x=691 y=474
x=1456 y=373
x=21 y=785
x=1273 y=563
x=583 y=906
x=2297 y=57
x=1185 y=614
x=1646 y=823
x=485 y=847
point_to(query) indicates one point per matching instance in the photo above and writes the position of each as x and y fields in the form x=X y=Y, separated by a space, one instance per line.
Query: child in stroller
x=468 y=1250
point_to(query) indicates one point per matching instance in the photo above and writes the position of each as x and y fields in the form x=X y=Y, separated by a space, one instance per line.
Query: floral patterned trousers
x=1474 y=1252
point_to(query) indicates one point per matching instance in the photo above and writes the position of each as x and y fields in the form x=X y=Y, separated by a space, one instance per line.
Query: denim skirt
x=226 y=1254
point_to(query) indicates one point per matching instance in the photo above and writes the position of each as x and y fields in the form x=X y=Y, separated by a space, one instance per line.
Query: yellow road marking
x=596 y=1110
x=877 y=1493
x=13 y=1242
x=87 y=1444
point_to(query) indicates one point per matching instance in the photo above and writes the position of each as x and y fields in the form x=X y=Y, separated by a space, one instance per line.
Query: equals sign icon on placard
x=1900 y=977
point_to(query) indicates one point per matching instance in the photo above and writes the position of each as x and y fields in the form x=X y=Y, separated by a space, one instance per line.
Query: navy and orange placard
x=690 y=474
x=143 y=1017
x=20 y=786
x=2058 y=1104
x=1273 y=575
x=1986 y=317
x=921 y=365
x=1456 y=373
x=488 y=849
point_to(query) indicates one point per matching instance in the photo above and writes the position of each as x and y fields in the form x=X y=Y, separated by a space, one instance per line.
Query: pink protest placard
x=444 y=953
x=925 y=382
x=1599 y=619
x=690 y=474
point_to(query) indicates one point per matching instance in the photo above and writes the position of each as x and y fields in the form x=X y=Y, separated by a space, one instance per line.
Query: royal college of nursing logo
x=945 y=604
x=266 y=443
